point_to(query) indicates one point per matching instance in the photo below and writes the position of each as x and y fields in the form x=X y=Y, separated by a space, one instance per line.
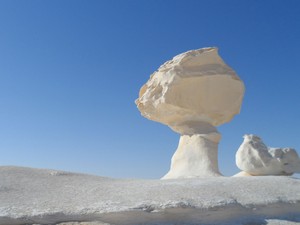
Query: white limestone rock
x=196 y=156
x=194 y=86
x=255 y=158
x=193 y=93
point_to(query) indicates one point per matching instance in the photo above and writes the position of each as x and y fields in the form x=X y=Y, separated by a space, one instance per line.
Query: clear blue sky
x=71 y=70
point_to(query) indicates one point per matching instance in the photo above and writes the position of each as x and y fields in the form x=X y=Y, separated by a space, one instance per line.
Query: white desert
x=192 y=94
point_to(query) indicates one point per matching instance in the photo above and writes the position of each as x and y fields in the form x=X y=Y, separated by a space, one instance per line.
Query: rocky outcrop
x=193 y=93
x=195 y=86
x=255 y=158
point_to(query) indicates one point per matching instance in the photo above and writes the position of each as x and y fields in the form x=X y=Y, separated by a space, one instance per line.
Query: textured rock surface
x=34 y=196
x=193 y=93
x=255 y=158
x=194 y=86
x=196 y=156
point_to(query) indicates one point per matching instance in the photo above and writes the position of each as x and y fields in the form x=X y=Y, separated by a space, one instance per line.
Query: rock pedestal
x=196 y=156
x=192 y=94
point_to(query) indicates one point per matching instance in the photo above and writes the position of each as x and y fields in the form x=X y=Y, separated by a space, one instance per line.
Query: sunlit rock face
x=255 y=158
x=193 y=93
x=195 y=86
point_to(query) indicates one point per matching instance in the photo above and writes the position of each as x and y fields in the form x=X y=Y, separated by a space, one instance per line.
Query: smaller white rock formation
x=255 y=158
x=193 y=93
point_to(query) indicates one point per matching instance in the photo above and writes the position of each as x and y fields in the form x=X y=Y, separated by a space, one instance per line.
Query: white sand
x=34 y=196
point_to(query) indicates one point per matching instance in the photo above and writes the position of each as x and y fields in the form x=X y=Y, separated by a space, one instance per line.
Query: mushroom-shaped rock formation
x=256 y=159
x=193 y=93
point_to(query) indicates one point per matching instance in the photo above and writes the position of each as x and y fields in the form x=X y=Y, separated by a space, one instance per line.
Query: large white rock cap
x=195 y=86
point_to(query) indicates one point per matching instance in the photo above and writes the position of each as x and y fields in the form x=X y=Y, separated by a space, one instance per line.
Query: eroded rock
x=195 y=86
x=255 y=158
x=193 y=93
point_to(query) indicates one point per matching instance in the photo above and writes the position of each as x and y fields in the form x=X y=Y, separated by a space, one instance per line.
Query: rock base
x=195 y=157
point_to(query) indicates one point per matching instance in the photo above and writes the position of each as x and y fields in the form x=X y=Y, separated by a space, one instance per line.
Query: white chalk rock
x=255 y=158
x=195 y=86
x=193 y=93
x=196 y=156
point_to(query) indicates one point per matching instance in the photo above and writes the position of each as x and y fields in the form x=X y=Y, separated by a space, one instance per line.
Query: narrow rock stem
x=196 y=156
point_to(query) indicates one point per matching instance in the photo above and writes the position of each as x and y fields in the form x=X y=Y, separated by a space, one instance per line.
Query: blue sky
x=71 y=70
